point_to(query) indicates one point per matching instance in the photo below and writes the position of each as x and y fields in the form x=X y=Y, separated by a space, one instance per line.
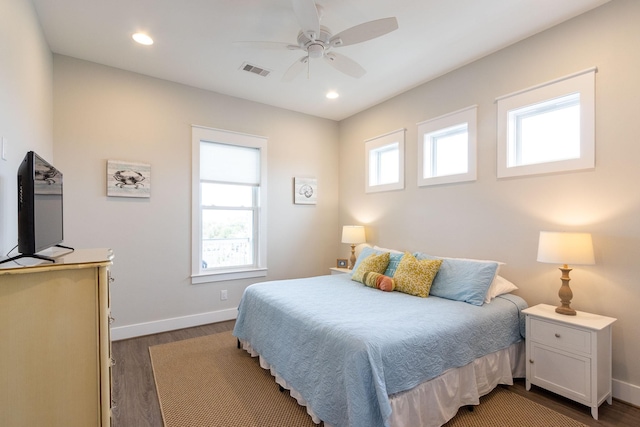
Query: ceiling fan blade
x=307 y=14
x=268 y=45
x=345 y=65
x=295 y=69
x=363 y=32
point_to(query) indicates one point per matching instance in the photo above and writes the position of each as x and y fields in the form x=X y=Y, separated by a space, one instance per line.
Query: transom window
x=548 y=128
x=548 y=131
x=384 y=162
x=447 y=148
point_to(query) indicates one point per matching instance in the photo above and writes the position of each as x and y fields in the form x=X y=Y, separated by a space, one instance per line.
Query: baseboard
x=626 y=392
x=165 y=325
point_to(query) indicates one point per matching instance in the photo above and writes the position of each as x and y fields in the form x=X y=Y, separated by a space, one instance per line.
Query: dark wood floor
x=137 y=403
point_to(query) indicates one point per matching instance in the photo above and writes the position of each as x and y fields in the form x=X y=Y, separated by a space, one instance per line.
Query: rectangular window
x=229 y=214
x=548 y=128
x=545 y=132
x=447 y=148
x=384 y=162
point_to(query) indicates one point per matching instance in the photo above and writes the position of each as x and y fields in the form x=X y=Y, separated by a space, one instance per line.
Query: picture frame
x=342 y=263
x=128 y=179
x=305 y=191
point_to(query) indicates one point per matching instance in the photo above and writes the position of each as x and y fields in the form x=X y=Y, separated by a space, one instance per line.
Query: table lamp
x=565 y=248
x=353 y=234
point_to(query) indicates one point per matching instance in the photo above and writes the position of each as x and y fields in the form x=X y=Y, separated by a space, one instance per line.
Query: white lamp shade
x=565 y=248
x=353 y=234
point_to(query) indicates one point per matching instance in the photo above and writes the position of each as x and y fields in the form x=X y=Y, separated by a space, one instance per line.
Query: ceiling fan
x=318 y=41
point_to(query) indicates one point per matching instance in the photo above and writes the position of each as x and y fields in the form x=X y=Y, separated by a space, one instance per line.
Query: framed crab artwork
x=128 y=179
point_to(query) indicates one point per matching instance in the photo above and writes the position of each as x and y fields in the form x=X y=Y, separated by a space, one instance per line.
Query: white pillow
x=499 y=286
x=393 y=251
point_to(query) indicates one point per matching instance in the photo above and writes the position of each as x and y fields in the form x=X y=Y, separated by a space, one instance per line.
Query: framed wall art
x=305 y=191
x=128 y=179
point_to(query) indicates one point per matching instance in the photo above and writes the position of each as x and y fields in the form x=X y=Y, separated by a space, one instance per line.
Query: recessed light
x=332 y=94
x=142 y=39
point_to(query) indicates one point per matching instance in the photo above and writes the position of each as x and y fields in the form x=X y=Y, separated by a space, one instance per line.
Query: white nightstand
x=338 y=270
x=570 y=355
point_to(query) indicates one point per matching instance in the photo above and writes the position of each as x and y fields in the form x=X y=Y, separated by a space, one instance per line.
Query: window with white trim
x=229 y=209
x=447 y=148
x=384 y=162
x=548 y=128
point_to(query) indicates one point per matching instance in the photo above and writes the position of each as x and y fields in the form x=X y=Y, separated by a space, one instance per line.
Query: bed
x=359 y=357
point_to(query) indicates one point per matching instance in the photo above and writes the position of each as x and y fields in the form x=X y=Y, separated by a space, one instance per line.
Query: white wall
x=104 y=113
x=501 y=219
x=26 y=115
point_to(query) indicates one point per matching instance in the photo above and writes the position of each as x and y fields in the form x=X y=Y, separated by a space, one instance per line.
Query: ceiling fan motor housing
x=315 y=47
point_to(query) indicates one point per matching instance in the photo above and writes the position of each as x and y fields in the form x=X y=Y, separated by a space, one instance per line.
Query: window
x=384 y=162
x=447 y=148
x=548 y=128
x=228 y=213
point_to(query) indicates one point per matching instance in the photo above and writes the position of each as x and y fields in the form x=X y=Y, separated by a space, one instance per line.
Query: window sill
x=221 y=276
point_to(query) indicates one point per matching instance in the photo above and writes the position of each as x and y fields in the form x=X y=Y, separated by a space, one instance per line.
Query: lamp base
x=565 y=310
x=352 y=259
x=565 y=294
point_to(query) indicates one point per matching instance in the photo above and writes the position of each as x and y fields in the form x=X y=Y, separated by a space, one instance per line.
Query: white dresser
x=570 y=355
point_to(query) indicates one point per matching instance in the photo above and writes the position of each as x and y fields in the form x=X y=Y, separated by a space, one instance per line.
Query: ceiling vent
x=255 y=69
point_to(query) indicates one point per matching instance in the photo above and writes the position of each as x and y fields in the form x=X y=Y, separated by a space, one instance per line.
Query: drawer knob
x=557 y=335
x=530 y=360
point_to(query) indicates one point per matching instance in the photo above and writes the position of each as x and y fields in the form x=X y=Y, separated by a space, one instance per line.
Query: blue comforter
x=346 y=347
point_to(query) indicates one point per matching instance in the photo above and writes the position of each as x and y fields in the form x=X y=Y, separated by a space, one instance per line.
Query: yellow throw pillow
x=374 y=262
x=415 y=277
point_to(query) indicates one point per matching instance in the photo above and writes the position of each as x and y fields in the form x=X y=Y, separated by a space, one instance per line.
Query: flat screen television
x=40 y=223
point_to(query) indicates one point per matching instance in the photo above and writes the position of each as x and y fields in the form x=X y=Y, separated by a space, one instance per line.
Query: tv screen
x=40 y=223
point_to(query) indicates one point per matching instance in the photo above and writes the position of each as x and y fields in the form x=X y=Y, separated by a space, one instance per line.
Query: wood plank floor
x=137 y=405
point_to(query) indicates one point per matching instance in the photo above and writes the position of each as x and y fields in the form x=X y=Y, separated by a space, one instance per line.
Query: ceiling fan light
x=315 y=50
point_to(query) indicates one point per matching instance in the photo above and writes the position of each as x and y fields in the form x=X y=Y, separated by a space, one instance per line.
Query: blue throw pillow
x=464 y=280
x=394 y=260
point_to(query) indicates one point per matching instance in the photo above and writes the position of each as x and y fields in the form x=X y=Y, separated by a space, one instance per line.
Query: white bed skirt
x=434 y=402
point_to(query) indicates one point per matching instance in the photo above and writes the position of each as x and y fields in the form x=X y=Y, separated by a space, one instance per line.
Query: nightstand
x=570 y=355
x=338 y=270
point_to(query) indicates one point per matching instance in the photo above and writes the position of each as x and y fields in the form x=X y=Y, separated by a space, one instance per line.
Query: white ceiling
x=194 y=43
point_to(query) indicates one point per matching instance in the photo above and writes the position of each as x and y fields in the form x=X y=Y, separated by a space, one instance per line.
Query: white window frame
x=582 y=82
x=433 y=126
x=376 y=143
x=198 y=275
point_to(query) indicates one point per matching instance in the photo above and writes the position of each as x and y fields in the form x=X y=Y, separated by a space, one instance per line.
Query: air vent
x=255 y=69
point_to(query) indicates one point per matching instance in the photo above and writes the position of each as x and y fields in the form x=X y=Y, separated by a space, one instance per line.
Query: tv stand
x=36 y=256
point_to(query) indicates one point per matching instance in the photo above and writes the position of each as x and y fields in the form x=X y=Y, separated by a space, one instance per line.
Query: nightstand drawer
x=560 y=336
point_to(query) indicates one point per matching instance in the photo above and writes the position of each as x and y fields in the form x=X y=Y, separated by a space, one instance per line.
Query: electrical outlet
x=223 y=295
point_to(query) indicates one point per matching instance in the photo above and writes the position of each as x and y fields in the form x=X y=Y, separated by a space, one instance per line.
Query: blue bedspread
x=346 y=347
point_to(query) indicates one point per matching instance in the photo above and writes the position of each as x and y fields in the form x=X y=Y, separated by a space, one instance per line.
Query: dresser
x=569 y=355
x=55 y=356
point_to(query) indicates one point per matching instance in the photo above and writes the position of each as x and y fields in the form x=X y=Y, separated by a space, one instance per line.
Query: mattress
x=346 y=348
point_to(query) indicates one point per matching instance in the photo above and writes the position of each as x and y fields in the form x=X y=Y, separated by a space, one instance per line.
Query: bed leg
x=280 y=388
x=238 y=342
x=470 y=408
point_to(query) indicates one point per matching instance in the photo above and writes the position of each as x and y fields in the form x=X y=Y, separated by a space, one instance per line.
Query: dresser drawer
x=560 y=336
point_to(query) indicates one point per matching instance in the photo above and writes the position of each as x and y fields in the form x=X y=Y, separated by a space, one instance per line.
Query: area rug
x=208 y=381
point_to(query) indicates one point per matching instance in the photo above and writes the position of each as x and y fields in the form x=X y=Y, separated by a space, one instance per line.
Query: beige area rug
x=208 y=382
